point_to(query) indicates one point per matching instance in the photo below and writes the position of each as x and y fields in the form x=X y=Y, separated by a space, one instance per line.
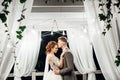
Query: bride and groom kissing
x=60 y=69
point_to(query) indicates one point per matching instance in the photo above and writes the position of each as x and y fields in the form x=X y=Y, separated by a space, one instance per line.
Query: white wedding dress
x=53 y=61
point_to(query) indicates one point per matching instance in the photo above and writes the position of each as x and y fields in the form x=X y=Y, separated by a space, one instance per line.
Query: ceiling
x=66 y=14
x=57 y=6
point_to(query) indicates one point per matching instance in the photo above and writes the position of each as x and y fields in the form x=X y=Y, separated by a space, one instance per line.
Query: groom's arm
x=69 y=62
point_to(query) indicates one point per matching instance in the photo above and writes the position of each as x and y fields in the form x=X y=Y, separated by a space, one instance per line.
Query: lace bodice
x=53 y=61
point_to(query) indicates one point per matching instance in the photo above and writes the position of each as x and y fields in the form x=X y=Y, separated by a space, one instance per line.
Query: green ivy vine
x=4 y=13
x=3 y=17
x=21 y=27
x=107 y=17
x=117 y=61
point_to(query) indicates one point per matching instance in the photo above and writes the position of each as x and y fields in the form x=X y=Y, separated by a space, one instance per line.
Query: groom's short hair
x=62 y=38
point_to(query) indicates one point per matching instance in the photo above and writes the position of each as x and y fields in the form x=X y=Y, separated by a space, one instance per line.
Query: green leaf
x=22 y=28
x=117 y=4
x=102 y=17
x=6 y=6
x=102 y=9
x=17 y=42
x=3 y=3
x=20 y=19
x=19 y=36
x=24 y=10
x=108 y=27
x=6 y=30
x=5 y=25
x=109 y=14
x=18 y=32
x=22 y=1
x=3 y=17
x=9 y=1
x=104 y=33
x=8 y=34
x=108 y=21
x=101 y=4
x=118 y=51
x=108 y=5
x=6 y=12
x=117 y=62
x=23 y=16
x=118 y=57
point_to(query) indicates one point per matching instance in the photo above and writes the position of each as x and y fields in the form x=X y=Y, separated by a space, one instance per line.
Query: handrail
x=34 y=73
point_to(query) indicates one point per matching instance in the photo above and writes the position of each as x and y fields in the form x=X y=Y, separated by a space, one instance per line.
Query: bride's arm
x=61 y=60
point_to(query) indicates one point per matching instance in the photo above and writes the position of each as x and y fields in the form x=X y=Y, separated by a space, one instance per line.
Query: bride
x=53 y=61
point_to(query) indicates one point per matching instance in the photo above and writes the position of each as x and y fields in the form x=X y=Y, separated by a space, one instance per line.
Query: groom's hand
x=57 y=71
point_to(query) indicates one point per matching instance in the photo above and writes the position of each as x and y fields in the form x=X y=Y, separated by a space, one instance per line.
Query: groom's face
x=60 y=43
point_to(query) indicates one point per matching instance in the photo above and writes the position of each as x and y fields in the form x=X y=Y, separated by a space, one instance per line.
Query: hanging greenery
x=21 y=27
x=3 y=17
x=4 y=13
x=23 y=1
x=117 y=61
x=107 y=18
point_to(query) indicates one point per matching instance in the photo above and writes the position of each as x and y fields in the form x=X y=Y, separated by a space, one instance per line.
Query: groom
x=67 y=71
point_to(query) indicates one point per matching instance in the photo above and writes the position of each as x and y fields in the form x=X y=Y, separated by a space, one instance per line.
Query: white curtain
x=82 y=52
x=7 y=60
x=27 y=54
x=105 y=46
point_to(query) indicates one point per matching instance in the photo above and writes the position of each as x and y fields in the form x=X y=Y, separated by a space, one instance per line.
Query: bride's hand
x=62 y=54
x=57 y=71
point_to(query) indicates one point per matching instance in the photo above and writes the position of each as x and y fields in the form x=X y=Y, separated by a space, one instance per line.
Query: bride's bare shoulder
x=50 y=57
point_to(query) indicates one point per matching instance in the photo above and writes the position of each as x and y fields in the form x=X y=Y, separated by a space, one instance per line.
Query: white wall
x=44 y=21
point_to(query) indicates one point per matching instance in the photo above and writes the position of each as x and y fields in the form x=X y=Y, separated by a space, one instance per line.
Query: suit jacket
x=67 y=71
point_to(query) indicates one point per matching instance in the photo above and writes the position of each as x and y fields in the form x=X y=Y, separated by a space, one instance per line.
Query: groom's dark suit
x=67 y=71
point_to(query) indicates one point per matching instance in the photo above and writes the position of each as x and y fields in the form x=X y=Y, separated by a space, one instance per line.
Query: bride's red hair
x=49 y=46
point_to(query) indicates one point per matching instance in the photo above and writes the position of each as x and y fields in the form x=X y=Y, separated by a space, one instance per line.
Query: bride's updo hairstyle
x=49 y=46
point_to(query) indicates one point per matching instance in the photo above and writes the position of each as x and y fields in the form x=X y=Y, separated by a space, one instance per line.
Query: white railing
x=34 y=74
